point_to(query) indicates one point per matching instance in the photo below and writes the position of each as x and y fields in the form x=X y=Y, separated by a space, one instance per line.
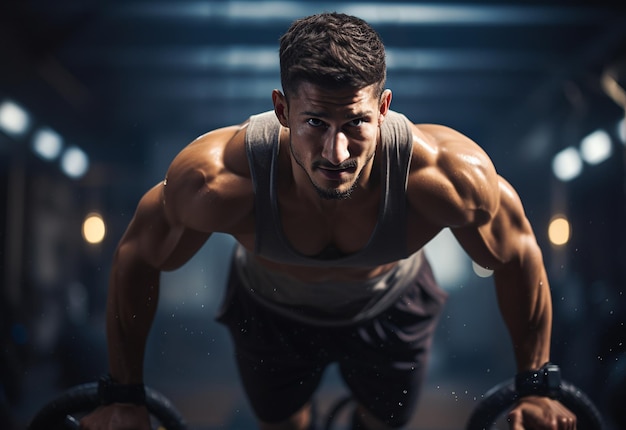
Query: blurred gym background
x=96 y=98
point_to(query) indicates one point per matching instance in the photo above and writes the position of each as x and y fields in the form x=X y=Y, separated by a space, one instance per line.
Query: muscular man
x=331 y=198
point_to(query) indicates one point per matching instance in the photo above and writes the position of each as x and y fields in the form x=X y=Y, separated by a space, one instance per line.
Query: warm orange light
x=94 y=228
x=559 y=231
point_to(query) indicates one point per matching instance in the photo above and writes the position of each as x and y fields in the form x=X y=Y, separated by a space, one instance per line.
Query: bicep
x=155 y=238
x=206 y=188
x=504 y=238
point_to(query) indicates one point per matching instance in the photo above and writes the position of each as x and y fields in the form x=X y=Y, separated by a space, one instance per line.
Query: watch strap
x=545 y=381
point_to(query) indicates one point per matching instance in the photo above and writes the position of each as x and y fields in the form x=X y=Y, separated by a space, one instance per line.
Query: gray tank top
x=388 y=241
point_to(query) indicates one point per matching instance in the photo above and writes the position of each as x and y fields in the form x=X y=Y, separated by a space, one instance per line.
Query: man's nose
x=336 y=148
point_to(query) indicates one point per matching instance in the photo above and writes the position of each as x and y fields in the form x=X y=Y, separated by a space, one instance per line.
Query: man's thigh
x=386 y=361
x=280 y=361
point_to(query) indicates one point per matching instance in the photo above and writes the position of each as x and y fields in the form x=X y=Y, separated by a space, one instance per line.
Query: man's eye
x=356 y=122
x=314 y=122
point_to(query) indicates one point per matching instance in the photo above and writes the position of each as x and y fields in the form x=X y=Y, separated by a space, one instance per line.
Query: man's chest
x=311 y=232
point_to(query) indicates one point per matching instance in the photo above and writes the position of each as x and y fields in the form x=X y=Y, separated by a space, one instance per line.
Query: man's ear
x=383 y=107
x=280 y=108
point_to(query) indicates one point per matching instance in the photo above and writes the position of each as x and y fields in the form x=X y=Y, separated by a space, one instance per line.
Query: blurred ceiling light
x=567 y=164
x=449 y=262
x=621 y=130
x=14 y=119
x=481 y=271
x=47 y=144
x=559 y=230
x=265 y=58
x=376 y=13
x=596 y=147
x=475 y=59
x=94 y=228
x=74 y=162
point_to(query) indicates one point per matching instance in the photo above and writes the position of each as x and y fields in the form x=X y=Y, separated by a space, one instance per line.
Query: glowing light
x=74 y=162
x=481 y=271
x=94 y=229
x=559 y=231
x=621 y=130
x=13 y=118
x=449 y=262
x=47 y=144
x=596 y=147
x=567 y=164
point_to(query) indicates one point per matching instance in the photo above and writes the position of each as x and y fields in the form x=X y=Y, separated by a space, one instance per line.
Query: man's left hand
x=541 y=413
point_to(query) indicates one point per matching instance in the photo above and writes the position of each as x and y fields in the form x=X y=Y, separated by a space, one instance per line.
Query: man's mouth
x=336 y=173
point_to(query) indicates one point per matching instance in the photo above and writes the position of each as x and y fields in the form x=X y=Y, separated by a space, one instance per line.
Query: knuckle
x=514 y=415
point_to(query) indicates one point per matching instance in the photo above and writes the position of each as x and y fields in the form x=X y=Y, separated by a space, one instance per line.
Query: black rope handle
x=503 y=396
x=84 y=398
x=500 y=399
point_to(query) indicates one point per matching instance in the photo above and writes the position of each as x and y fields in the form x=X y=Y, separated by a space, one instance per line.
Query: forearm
x=131 y=306
x=524 y=299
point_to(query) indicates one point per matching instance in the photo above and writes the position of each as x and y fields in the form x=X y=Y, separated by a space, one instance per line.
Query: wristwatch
x=110 y=391
x=545 y=381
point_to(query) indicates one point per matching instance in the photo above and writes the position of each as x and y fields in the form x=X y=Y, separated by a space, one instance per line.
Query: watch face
x=552 y=376
x=545 y=381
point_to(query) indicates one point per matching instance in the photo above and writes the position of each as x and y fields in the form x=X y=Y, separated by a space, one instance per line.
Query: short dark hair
x=332 y=49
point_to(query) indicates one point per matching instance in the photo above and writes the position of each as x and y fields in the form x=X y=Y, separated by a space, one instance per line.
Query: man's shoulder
x=230 y=141
x=440 y=134
x=222 y=148
x=452 y=173
x=210 y=176
x=443 y=145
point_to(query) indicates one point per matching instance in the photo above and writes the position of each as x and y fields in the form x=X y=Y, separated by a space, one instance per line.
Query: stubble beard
x=330 y=193
x=335 y=193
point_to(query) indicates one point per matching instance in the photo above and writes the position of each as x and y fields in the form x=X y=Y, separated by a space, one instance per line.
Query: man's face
x=334 y=134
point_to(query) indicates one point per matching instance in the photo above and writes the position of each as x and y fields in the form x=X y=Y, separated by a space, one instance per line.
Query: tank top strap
x=397 y=148
x=262 y=146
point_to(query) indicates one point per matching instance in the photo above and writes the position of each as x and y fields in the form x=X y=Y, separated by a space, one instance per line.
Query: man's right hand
x=117 y=416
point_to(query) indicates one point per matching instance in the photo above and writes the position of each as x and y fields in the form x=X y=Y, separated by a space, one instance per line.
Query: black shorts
x=382 y=360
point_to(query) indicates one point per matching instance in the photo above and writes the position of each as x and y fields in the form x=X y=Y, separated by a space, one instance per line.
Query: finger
x=555 y=420
x=515 y=420
x=566 y=420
